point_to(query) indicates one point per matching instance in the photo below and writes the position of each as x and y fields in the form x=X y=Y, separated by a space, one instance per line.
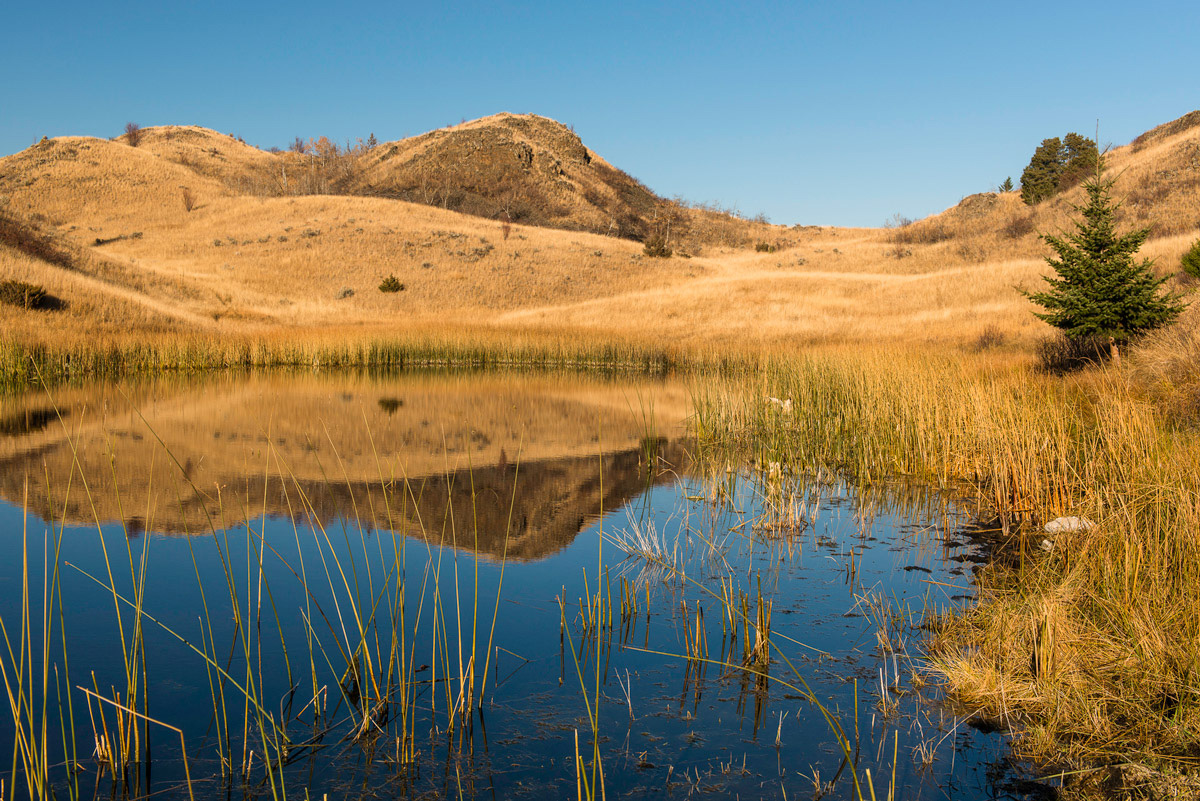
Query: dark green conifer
x=1101 y=291
x=1191 y=260
x=1040 y=178
x=1079 y=158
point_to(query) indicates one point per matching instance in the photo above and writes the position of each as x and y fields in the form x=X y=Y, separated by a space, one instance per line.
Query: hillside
x=105 y=228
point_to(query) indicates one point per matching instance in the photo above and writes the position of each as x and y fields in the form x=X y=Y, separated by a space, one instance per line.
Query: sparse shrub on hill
x=189 y=199
x=1101 y=293
x=656 y=247
x=990 y=337
x=133 y=134
x=391 y=284
x=1019 y=226
x=25 y=237
x=764 y=247
x=24 y=295
x=929 y=231
x=1190 y=262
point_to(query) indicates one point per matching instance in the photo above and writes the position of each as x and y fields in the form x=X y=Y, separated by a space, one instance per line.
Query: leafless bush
x=990 y=337
x=133 y=134
x=189 y=199
x=1061 y=354
x=1019 y=226
x=505 y=230
x=22 y=295
x=925 y=232
x=25 y=237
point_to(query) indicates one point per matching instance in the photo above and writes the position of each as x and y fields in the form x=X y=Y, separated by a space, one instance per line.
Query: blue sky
x=833 y=113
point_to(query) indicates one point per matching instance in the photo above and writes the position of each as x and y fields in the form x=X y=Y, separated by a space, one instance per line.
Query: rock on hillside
x=516 y=167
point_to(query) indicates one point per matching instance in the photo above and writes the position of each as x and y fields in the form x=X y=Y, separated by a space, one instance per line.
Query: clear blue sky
x=818 y=113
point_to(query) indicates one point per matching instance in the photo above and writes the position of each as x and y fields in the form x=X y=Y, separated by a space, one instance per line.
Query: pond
x=466 y=585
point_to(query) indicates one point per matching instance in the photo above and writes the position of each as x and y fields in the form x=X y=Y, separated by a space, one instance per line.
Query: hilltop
x=511 y=223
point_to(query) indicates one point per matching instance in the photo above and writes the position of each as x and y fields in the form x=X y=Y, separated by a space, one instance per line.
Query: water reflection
x=537 y=458
x=370 y=647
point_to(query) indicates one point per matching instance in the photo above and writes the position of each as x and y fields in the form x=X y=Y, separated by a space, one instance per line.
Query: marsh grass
x=353 y=670
x=24 y=364
x=1090 y=648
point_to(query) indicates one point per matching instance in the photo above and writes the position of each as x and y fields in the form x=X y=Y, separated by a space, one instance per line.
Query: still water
x=421 y=585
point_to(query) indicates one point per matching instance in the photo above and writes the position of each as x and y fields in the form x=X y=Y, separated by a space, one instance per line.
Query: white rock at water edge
x=1065 y=524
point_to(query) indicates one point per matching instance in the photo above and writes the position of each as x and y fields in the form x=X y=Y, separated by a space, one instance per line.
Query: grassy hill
x=193 y=231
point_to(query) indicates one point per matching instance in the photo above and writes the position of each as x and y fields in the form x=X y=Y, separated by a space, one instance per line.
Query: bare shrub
x=189 y=199
x=1019 y=226
x=133 y=134
x=990 y=337
x=26 y=238
x=1061 y=354
x=925 y=232
x=505 y=230
x=23 y=295
x=656 y=247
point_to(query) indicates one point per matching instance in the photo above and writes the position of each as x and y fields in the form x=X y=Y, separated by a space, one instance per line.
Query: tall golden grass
x=1087 y=641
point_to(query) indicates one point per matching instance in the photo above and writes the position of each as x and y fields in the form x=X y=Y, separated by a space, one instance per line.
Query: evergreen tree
x=1079 y=158
x=1101 y=291
x=1191 y=260
x=1057 y=165
x=1040 y=178
x=1007 y=186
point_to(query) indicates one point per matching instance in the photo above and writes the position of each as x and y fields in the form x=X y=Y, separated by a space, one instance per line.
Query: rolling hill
x=511 y=223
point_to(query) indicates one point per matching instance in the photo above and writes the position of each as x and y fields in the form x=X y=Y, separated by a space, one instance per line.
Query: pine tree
x=1007 y=186
x=1058 y=165
x=1079 y=157
x=1101 y=291
x=1190 y=261
x=1040 y=179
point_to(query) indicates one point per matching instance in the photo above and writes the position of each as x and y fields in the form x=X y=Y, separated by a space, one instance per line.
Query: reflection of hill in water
x=549 y=502
x=327 y=447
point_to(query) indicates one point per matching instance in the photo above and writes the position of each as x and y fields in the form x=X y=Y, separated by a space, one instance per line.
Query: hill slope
x=257 y=252
x=519 y=168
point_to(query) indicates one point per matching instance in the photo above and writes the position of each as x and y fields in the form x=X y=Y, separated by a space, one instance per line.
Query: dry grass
x=244 y=262
x=1088 y=642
